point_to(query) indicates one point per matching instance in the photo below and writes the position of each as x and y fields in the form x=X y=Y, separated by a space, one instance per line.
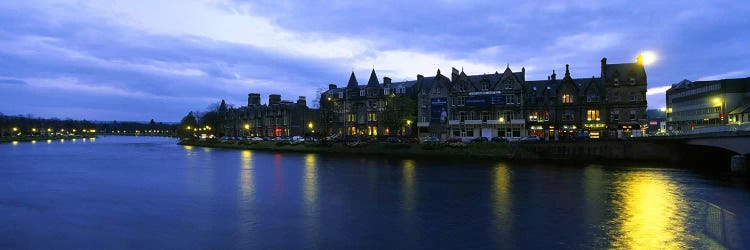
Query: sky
x=136 y=60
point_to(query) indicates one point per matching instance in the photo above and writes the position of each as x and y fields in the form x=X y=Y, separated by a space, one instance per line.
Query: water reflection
x=247 y=197
x=501 y=204
x=651 y=213
x=14 y=143
x=33 y=141
x=310 y=193
x=409 y=189
x=49 y=141
x=594 y=186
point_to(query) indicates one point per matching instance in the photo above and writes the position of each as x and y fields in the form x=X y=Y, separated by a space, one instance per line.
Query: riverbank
x=593 y=151
x=41 y=138
x=480 y=150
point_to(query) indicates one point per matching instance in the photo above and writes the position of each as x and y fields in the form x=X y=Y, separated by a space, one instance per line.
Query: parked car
x=394 y=139
x=480 y=139
x=256 y=139
x=298 y=138
x=581 y=137
x=531 y=138
x=454 y=140
x=430 y=139
x=498 y=139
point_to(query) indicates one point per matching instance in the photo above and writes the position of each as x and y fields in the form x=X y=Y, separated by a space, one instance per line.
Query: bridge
x=736 y=143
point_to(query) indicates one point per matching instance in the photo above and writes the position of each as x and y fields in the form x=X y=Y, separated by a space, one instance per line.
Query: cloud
x=588 y=42
x=658 y=90
x=11 y=81
x=727 y=75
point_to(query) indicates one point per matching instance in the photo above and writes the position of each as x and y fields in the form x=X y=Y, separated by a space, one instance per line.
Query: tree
x=400 y=114
x=187 y=124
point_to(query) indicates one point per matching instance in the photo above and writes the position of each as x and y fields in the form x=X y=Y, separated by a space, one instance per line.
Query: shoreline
x=28 y=139
x=512 y=152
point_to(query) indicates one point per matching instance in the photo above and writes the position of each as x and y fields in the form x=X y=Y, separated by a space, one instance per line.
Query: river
x=148 y=192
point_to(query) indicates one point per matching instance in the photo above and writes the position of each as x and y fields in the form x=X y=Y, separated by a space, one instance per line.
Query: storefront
x=595 y=130
x=566 y=132
x=537 y=130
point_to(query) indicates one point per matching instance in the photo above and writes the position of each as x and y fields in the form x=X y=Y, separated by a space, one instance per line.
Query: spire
x=554 y=75
x=222 y=106
x=373 y=82
x=567 y=70
x=438 y=73
x=507 y=65
x=352 y=81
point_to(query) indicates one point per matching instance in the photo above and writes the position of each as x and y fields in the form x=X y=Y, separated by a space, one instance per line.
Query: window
x=361 y=92
x=372 y=130
x=567 y=98
x=461 y=100
x=485 y=86
x=615 y=115
x=402 y=90
x=508 y=115
x=592 y=115
x=632 y=115
x=462 y=116
x=568 y=116
x=592 y=98
x=617 y=81
x=350 y=117
x=632 y=80
x=508 y=83
x=437 y=90
x=546 y=115
x=387 y=91
x=511 y=99
x=632 y=96
x=461 y=88
x=534 y=116
x=485 y=116
x=372 y=117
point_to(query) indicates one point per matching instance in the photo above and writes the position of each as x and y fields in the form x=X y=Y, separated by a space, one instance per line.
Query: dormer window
x=437 y=90
x=632 y=80
x=361 y=92
x=462 y=88
x=387 y=91
x=592 y=98
x=508 y=84
x=485 y=86
x=403 y=90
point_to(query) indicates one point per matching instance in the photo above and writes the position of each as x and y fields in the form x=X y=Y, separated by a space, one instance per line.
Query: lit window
x=567 y=98
x=592 y=115
x=371 y=117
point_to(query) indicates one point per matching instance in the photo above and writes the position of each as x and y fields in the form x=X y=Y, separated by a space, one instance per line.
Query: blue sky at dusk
x=138 y=59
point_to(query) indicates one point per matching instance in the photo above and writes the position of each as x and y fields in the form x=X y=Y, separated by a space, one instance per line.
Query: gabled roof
x=624 y=69
x=550 y=85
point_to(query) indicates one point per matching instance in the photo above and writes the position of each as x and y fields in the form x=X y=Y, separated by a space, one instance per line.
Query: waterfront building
x=612 y=105
x=277 y=118
x=368 y=110
x=708 y=105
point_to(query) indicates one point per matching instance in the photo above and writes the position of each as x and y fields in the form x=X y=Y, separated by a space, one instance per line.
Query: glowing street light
x=647 y=57
x=717 y=101
x=188 y=127
x=408 y=122
x=33 y=130
x=15 y=129
x=310 y=125
x=247 y=126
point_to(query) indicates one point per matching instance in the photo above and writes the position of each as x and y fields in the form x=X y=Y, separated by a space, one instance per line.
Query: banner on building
x=439 y=110
x=484 y=100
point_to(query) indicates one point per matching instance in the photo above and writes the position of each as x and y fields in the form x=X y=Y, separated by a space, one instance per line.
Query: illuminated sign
x=485 y=92
x=593 y=125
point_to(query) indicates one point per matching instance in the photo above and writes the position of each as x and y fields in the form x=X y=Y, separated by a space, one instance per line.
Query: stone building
x=278 y=118
x=507 y=105
x=367 y=110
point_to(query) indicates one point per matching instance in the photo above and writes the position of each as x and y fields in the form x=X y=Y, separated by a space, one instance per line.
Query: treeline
x=20 y=125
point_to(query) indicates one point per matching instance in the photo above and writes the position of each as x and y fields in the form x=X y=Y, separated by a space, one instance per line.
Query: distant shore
x=41 y=138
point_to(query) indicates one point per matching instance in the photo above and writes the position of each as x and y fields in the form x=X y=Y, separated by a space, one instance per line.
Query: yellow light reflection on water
x=49 y=141
x=246 y=175
x=14 y=143
x=311 y=181
x=409 y=189
x=651 y=213
x=501 y=204
x=188 y=148
x=247 y=196
x=33 y=141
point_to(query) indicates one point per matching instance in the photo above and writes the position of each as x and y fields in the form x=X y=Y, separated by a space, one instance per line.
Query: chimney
x=253 y=99
x=454 y=74
x=301 y=101
x=567 y=70
x=331 y=86
x=386 y=81
x=274 y=99
x=554 y=76
x=639 y=59
x=604 y=67
x=419 y=77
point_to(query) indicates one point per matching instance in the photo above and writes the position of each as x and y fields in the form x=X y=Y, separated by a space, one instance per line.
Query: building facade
x=612 y=105
x=373 y=109
x=278 y=118
x=704 y=105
